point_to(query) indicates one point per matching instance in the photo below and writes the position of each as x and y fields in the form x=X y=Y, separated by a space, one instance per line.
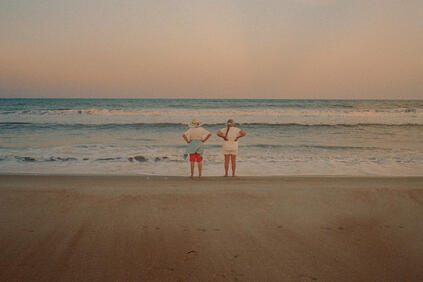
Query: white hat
x=195 y=123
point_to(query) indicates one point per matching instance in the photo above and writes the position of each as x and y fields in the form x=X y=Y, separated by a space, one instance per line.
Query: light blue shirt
x=195 y=146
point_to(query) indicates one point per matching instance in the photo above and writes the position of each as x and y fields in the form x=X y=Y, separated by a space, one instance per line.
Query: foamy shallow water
x=285 y=137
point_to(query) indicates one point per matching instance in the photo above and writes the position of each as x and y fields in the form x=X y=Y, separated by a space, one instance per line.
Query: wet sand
x=128 y=228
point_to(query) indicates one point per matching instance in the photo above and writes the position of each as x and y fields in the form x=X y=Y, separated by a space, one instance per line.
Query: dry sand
x=128 y=228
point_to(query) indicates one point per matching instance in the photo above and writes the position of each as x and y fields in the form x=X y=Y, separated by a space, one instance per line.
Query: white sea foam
x=218 y=116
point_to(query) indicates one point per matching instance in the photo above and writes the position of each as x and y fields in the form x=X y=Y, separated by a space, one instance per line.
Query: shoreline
x=2 y=174
x=159 y=228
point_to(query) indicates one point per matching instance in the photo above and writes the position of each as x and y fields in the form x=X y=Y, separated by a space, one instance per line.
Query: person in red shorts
x=195 y=137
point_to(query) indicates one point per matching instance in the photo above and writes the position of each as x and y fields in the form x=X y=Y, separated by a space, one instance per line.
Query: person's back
x=196 y=133
x=230 y=145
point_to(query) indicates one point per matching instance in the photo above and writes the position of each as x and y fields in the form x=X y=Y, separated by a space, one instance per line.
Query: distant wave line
x=255 y=109
x=11 y=125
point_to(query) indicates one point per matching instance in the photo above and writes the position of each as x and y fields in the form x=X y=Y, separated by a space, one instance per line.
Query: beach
x=158 y=228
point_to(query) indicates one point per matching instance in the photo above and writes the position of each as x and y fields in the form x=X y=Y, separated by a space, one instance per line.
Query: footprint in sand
x=191 y=255
x=309 y=277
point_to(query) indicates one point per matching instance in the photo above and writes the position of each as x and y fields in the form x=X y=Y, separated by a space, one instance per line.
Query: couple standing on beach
x=196 y=136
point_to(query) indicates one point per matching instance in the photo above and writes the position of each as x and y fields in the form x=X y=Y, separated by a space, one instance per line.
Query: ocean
x=144 y=136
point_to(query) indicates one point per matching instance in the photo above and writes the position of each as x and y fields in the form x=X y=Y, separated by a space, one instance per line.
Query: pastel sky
x=295 y=49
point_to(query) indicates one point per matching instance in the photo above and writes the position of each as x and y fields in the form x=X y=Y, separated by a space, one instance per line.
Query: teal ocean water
x=143 y=136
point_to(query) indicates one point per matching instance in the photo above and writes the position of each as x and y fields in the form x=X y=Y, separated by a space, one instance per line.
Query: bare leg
x=226 y=164
x=192 y=169
x=233 y=161
x=200 y=168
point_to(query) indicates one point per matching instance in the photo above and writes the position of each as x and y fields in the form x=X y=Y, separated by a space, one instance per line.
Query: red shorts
x=196 y=157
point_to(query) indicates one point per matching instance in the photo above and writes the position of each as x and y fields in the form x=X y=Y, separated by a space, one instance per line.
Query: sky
x=292 y=49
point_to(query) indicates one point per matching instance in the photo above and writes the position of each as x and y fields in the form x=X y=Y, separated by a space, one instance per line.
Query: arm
x=207 y=137
x=242 y=133
x=220 y=134
x=185 y=138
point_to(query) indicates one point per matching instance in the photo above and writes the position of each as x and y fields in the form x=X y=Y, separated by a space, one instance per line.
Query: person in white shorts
x=230 y=135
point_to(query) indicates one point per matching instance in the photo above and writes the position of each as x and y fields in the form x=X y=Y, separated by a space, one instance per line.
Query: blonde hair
x=230 y=121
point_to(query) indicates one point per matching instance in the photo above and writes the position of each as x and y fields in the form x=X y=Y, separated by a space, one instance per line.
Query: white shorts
x=230 y=152
x=230 y=148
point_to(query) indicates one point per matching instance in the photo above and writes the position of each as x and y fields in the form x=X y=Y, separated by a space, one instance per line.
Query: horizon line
x=187 y=98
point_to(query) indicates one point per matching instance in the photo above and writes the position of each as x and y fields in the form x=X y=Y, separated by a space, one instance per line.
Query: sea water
x=144 y=136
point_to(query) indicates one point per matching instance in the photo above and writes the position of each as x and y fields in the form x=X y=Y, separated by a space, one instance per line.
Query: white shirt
x=233 y=133
x=196 y=133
